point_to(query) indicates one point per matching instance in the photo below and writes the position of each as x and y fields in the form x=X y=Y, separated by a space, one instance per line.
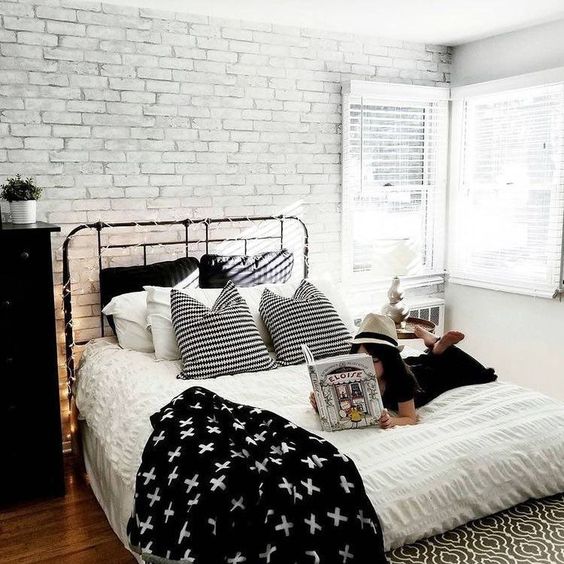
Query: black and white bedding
x=224 y=482
x=477 y=450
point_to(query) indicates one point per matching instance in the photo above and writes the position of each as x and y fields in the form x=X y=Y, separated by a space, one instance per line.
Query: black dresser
x=31 y=459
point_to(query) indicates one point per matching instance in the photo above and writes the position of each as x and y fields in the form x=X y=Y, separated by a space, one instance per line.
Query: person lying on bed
x=407 y=384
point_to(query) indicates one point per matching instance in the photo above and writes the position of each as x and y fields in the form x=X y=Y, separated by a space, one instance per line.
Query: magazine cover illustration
x=346 y=391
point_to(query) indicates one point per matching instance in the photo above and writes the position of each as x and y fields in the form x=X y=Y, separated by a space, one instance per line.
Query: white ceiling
x=444 y=22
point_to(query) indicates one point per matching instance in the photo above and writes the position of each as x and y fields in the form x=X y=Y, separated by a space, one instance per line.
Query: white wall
x=127 y=114
x=532 y=49
x=520 y=336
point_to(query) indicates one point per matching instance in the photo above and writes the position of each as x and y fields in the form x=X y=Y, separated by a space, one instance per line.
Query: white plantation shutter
x=510 y=196
x=394 y=180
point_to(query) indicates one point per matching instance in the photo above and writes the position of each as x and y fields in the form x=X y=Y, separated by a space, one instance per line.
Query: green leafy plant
x=16 y=189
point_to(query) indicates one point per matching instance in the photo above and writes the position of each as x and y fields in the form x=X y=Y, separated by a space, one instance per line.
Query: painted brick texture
x=126 y=114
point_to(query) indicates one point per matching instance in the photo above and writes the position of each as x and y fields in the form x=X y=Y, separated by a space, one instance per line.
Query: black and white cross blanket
x=220 y=482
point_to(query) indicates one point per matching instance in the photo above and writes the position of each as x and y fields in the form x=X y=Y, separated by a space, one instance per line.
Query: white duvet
x=477 y=450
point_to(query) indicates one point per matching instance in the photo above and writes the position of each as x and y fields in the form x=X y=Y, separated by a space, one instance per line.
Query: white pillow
x=129 y=312
x=159 y=319
x=334 y=293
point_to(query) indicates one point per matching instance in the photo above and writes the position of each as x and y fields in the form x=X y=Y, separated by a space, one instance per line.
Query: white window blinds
x=509 y=202
x=394 y=180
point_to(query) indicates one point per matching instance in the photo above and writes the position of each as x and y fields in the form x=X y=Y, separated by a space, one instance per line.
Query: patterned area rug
x=529 y=533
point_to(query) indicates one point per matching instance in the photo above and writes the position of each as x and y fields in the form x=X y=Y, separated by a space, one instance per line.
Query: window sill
x=499 y=287
x=407 y=282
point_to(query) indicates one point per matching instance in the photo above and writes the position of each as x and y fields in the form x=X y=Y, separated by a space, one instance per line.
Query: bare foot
x=448 y=339
x=428 y=338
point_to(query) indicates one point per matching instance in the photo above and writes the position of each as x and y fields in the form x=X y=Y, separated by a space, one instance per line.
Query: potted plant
x=22 y=195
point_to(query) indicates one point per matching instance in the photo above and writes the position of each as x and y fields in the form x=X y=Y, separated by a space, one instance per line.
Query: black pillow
x=119 y=280
x=272 y=267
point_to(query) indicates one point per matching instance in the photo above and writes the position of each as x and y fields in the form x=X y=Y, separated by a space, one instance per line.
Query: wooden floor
x=72 y=529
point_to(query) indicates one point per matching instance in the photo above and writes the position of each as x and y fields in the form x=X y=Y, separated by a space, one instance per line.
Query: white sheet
x=476 y=451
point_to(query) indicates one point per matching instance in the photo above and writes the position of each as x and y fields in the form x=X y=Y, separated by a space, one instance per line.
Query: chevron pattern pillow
x=308 y=318
x=217 y=341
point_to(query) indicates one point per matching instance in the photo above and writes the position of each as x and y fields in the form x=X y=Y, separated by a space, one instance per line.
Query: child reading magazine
x=406 y=384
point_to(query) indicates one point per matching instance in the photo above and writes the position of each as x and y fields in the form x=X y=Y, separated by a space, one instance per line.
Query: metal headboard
x=185 y=240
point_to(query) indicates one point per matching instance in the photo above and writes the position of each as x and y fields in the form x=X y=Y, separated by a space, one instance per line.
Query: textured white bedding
x=477 y=450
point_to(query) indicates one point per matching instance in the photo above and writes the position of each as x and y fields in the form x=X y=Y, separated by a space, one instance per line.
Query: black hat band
x=379 y=336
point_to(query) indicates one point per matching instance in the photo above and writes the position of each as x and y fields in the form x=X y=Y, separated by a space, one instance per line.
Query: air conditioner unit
x=431 y=310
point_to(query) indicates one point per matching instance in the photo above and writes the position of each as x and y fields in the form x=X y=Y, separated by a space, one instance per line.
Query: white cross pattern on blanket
x=168 y=512
x=224 y=466
x=285 y=484
x=213 y=523
x=269 y=550
x=206 y=448
x=310 y=486
x=237 y=559
x=337 y=517
x=160 y=437
x=187 y=433
x=345 y=554
x=347 y=486
x=184 y=533
x=261 y=466
x=313 y=526
x=237 y=503
x=145 y=525
x=218 y=483
x=363 y=520
x=310 y=463
x=173 y=475
x=154 y=497
x=174 y=454
x=149 y=476
x=192 y=483
x=284 y=525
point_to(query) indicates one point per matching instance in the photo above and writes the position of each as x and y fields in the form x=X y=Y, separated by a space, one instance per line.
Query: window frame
x=459 y=95
x=395 y=95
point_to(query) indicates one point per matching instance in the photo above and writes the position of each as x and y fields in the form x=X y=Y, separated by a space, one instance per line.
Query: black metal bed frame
x=185 y=241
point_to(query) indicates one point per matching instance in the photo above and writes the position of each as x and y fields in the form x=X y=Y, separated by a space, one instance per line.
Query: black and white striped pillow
x=217 y=341
x=308 y=318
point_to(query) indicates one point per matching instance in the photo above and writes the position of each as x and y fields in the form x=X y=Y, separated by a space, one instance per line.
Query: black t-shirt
x=401 y=387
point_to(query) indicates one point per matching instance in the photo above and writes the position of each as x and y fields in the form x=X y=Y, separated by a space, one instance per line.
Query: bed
x=477 y=450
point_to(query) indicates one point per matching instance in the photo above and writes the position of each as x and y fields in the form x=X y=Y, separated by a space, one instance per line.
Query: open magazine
x=346 y=390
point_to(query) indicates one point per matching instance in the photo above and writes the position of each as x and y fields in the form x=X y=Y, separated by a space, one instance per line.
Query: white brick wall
x=109 y=97
x=124 y=113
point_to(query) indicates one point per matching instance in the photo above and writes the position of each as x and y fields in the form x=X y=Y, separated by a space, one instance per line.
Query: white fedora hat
x=378 y=330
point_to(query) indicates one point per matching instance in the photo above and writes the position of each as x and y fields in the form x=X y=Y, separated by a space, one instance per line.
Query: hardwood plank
x=70 y=529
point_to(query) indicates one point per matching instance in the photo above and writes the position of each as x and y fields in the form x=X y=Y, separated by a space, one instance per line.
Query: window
x=509 y=206
x=394 y=180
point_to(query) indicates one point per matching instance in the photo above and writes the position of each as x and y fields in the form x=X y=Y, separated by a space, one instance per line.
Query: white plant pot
x=24 y=211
